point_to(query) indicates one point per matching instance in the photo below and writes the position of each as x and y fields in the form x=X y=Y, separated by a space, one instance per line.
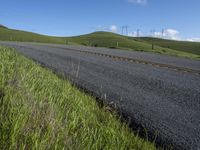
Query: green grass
x=23 y=36
x=183 y=46
x=105 y=39
x=1 y=26
x=38 y=110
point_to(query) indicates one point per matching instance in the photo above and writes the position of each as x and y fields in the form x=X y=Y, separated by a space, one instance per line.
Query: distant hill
x=169 y=47
x=110 y=40
x=23 y=36
x=107 y=39
x=191 y=47
x=2 y=26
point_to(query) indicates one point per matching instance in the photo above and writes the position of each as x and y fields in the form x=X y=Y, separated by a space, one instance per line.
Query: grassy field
x=110 y=40
x=38 y=110
x=23 y=36
x=190 y=47
x=1 y=26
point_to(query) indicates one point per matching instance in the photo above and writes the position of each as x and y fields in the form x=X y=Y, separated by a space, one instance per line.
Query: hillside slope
x=2 y=26
x=23 y=36
x=106 y=39
x=110 y=40
x=191 y=47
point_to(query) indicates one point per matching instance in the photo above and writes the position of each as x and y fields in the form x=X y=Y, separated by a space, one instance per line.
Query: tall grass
x=40 y=111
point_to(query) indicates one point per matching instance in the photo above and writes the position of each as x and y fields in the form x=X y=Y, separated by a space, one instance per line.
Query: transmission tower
x=124 y=30
x=138 y=32
x=126 y=27
x=122 y=27
x=152 y=33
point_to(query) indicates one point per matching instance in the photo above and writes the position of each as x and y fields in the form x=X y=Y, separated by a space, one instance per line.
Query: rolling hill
x=110 y=40
x=23 y=36
x=191 y=47
x=1 y=26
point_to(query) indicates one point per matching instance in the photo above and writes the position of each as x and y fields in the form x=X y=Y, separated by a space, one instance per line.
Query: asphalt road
x=155 y=92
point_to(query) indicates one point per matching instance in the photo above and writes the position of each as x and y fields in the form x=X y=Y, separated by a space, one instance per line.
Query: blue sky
x=179 y=18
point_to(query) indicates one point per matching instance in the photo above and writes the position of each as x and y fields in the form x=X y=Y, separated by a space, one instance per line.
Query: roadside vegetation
x=38 y=110
x=110 y=40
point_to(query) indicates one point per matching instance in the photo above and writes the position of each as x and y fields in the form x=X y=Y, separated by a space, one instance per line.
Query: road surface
x=160 y=94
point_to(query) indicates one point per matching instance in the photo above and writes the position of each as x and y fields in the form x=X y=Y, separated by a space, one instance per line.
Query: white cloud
x=113 y=28
x=193 y=39
x=168 y=34
x=171 y=34
x=140 y=2
x=136 y=34
x=157 y=34
x=132 y=34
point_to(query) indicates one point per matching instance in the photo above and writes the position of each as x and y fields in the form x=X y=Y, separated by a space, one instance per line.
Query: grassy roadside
x=38 y=110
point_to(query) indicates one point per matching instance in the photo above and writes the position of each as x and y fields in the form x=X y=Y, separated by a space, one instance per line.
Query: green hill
x=107 y=39
x=2 y=26
x=191 y=47
x=23 y=36
x=110 y=40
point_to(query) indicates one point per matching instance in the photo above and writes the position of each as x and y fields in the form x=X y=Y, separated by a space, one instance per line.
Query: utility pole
x=152 y=46
x=67 y=42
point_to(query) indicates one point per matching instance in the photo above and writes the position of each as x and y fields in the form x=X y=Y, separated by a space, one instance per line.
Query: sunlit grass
x=38 y=110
